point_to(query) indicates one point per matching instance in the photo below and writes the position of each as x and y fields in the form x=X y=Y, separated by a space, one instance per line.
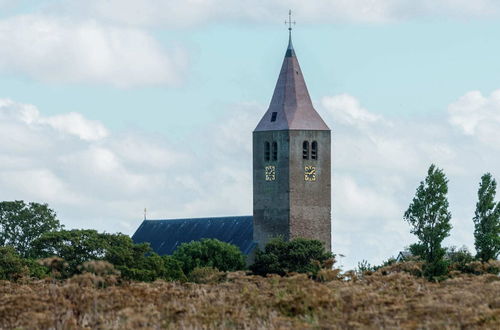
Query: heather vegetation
x=390 y=297
x=56 y=278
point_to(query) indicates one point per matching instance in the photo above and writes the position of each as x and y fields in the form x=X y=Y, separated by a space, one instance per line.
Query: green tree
x=21 y=224
x=429 y=218
x=459 y=259
x=138 y=261
x=134 y=261
x=122 y=251
x=487 y=220
x=298 y=255
x=12 y=266
x=74 y=246
x=417 y=250
x=209 y=253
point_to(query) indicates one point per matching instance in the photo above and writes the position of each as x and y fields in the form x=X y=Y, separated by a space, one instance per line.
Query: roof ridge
x=200 y=218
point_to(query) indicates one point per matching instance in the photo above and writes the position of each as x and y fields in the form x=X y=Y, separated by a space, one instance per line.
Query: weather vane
x=290 y=22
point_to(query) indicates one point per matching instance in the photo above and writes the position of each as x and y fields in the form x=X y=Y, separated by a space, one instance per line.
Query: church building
x=291 y=178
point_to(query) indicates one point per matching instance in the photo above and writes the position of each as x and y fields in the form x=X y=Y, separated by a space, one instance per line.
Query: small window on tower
x=305 y=150
x=275 y=150
x=273 y=116
x=314 y=150
x=267 y=151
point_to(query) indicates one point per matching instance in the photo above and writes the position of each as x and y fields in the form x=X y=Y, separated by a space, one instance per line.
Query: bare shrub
x=206 y=275
x=57 y=266
x=476 y=268
x=328 y=275
x=99 y=267
x=96 y=273
x=411 y=267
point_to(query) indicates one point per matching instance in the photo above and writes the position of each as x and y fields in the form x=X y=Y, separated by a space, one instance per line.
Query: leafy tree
x=487 y=220
x=21 y=224
x=12 y=266
x=36 y=270
x=459 y=259
x=74 y=246
x=459 y=255
x=134 y=261
x=173 y=270
x=209 y=253
x=298 y=255
x=122 y=251
x=152 y=267
x=417 y=250
x=139 y=262
x=429 y=218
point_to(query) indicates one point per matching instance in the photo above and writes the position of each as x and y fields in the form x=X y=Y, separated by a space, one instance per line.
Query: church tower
x=291 y=163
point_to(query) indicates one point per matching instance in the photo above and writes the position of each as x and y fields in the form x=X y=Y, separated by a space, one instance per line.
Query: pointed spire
x=291 y=107
x=289 y=51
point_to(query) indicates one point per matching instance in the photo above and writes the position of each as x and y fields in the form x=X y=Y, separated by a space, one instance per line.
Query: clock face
x=310 y=173
x=270 y=173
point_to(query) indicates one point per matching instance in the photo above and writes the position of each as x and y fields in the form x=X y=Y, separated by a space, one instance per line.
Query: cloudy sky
x=111 y=106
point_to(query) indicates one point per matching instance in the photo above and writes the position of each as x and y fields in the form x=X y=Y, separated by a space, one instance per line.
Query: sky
x=108 y=107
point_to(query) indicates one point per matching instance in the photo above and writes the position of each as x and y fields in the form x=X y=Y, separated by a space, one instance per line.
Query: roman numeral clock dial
x=310 y=173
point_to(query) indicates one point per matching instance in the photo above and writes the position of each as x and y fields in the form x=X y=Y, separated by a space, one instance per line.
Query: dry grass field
x=396 y=300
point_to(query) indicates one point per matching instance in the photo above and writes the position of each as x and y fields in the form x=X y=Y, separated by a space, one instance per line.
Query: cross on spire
x=290 y=22
x=291 y=107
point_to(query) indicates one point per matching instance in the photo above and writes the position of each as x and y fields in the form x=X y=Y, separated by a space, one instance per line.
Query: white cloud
x=71 y=123
x=60 y=50
x=478 y=116
x=363 y=201
x=347 y=110
x=96 y=179
x=182 y=13
x=104 y=183
x=146 y=151
x=378 y=163
x=41 y=184
x=75 y=124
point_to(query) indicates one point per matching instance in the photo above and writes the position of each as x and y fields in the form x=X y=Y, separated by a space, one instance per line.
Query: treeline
x=429 y=218
x=33 y=243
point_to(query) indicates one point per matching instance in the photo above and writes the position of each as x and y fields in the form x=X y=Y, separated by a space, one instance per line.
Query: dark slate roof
x=166 y=235
x=291 y=101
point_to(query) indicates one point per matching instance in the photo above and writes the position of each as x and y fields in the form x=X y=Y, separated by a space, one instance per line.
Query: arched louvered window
x=267 y=151
x=314 y=150
x=305 y=150
x=275 y=151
